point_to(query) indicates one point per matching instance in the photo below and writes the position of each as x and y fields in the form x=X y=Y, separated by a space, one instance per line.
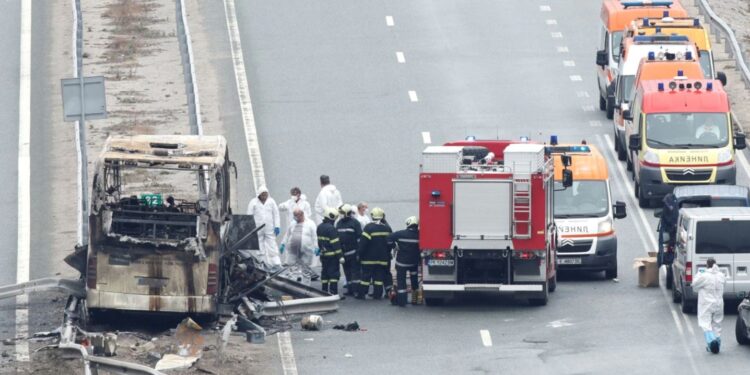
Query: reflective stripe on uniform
x=364 y=282
x=334 y=241
x=321 y=238
x=405 y=265
x=379 y=234
x=374 y=262
x=408 y=240
x=378 y=283
x=342 y=230
x=402 y=291
x=350 y=252
x=364 y=234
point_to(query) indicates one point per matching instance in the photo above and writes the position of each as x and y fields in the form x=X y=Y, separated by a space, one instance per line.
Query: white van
x=722 y=233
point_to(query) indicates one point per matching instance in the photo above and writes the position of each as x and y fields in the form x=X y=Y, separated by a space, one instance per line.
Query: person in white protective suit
x=300 y=239
x=298 y=200
x=329 y=197
x=709 y=284
x=265 y=211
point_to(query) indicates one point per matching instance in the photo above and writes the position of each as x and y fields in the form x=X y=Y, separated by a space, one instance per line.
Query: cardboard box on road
x=648 y=271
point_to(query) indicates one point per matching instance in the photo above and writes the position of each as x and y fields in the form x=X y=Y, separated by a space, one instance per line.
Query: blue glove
x=276 y=231
x=317 y=252
x=281 y=249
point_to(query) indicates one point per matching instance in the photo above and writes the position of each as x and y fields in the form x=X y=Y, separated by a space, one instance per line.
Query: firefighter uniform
x=330 y=255
x=349 y=231
x=374 y=254
x=406 y=243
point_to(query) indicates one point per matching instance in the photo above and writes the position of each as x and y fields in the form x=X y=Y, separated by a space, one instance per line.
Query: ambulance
x=584 y=212
x=615 y=17
x=680 y=133
x=653 y=67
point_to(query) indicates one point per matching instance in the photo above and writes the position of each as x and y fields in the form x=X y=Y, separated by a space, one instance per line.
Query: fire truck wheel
x=553 y=283
x=610 y=273
x=541 y=301
x=433 y=301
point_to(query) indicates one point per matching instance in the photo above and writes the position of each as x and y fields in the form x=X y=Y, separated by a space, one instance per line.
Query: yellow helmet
x=377 y=213
x=412 y=220
x=330 y=213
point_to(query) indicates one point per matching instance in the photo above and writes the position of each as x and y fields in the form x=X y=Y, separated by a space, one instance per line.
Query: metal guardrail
x=300 y=306
x=188 y=68
x=736 y=50
x=73 y=287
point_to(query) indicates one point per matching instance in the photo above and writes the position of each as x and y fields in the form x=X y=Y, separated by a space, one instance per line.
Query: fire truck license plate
x=568 y=260
x=440 y=262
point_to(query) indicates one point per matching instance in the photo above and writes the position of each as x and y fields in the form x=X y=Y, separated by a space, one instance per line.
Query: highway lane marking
x=24 y=182
x=389 y=20
x=556 y=34
x=648 y=240
x=400 y=57
x=743 y=162
x=243 y=91
x=288 y=364
x=588 y=108
x=551 y=22
x=426 y=139
x=413 y=96
x=569 y=63
x=583 y=94
x=576 y=78
x=545 y=8
x=562 y=49
x=595 y=124
x=486 y=338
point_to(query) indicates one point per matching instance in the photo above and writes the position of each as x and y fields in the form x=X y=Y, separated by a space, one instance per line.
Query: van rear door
x=727 y=241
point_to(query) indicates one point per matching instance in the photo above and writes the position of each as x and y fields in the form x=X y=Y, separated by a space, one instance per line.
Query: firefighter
x=330 y=252
x=374 y=254
x=349 y=232
x=406 y=244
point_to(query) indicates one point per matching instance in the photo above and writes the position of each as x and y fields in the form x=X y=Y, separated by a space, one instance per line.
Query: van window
x=626 y=87
x=687 y=130
x=722 y=237
x=616 y=45
x=583 y=199
x=705 y=60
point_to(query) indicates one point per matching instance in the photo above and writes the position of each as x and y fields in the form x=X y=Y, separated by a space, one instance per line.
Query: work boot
x=416 y=297
x=401 y=298
x=714 y=346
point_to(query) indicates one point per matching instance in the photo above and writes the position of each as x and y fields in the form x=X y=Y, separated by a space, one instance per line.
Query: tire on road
x=611 y=273
x=740 y=332
x=542 y=299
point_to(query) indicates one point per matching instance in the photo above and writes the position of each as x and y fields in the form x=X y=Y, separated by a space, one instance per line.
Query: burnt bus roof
x=166 y=149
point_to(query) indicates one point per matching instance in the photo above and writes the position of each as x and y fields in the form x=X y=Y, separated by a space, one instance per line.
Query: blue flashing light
x=688 y=55
x=645 y=22
x=471 y=138
x=644 y=3
x=680 y=73
x=666 y=14
x=658 y=30
x=709 y=86
x=435 y=193
x=553 y=140
x=696 y=22
x=651 y=56
x=660 y=38
x=660 y=85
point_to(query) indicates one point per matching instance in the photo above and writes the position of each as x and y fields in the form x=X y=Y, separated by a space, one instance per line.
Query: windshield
x=583 y=199
x=687 y=130
x=616 y=41
x=626 y=88
x=722 y=237
x=705 y=60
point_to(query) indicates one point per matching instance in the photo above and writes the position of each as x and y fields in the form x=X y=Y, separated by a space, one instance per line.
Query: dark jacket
x=349 y=231
x=373 y=245
x=407 y=241
x=328 y=240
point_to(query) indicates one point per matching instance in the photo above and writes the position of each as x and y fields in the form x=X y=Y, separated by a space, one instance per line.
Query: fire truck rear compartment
x=484 y=266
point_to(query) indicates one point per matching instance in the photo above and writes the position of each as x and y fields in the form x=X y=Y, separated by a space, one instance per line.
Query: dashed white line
x=545 y=8
x=569 y=63
x=556 y=34
x=562 y=49
x=413 y=96
x=400 y=57
x=595 y=124
x=486 y=338
x=583 y=94
x=588 y=108
x=551 y=22
x=426 y=139
x=389 y=20
x=576 y=78
x=24 y=181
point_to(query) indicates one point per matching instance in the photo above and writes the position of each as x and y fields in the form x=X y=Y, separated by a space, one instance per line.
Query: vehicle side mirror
x=721 y=77
x=657 y=214
x=602 y=58
x=619 y=210
x=567 y=178
x=566 y=160
x=635 y=142
x=739 y=141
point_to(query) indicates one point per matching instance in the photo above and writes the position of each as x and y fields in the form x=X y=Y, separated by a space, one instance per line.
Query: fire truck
x=486 y=220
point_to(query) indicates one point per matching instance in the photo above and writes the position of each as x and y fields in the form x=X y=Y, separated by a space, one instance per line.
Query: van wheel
x=602 y=103
x=553 y=283
x=629 y=163
x=676 y=297
x=686 y=307
x=610 y=109
x=642 y=201
x=610 y=273
x=541 y=301
x=670 y=278
x=740 y=332
x=622 y=155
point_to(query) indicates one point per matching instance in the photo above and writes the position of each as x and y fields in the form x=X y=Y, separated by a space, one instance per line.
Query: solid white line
x=191 y=63
x=288 y=364
x=426 y=139
x=24 y=181
x=486 y=338
x=400 y=57
x=649 y=242
x=79 y=168
x=743 y=162
x=413 y=96
x=389 y=20
x=243 y=91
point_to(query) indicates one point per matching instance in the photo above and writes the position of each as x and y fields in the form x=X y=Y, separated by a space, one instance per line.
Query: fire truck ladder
x=522 y=206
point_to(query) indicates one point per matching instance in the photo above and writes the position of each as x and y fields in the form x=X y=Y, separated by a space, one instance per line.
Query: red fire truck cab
x=486 y=220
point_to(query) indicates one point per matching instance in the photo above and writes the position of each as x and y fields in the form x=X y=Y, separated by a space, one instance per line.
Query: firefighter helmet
x=330 y=213
x=412 y=220
x=377 y=213
x=345 y=209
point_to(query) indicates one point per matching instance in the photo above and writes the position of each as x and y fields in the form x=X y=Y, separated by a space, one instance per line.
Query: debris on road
x=648 y=271
x=173 y=362
x=312 y=323
x=351 y=327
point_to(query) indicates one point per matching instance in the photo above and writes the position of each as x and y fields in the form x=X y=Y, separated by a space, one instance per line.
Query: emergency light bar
x=627 y=4
x=582 y=149
x=660 y=38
